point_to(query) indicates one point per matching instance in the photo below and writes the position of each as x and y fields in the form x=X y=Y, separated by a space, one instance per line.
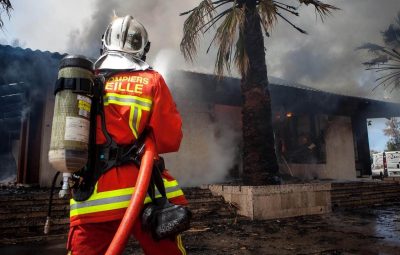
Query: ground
x=361 y=231
x=366 y=231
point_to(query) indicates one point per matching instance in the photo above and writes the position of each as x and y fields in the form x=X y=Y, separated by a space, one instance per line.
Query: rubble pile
x=217 y=229
x=23 y=213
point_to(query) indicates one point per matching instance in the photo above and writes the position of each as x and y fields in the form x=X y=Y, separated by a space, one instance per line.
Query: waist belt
x=109 y=156
x=116 y=155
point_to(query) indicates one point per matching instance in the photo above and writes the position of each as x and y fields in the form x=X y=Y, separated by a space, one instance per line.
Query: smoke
x=7 y=168
x=161 y=19
x=164 y=63
x=211 y=134
x=207 y=155
x=25 y=75
x=87 y=39
x=325 y=58
x=84 y=22
x=391 y=36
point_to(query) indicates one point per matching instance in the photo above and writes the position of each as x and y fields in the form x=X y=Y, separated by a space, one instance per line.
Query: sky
x=325 y=58
x=376 y=137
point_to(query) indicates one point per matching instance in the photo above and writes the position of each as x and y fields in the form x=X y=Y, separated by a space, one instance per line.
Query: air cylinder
x=69 y=142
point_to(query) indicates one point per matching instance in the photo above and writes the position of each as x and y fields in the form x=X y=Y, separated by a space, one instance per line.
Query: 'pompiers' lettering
x=133 y=79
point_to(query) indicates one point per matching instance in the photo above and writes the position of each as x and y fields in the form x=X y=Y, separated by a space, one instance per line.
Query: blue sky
x=377 y=140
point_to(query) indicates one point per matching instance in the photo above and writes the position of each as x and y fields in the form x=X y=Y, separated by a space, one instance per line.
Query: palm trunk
x=259 y=159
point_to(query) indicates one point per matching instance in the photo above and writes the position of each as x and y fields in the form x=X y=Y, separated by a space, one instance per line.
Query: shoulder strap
x=156 y=181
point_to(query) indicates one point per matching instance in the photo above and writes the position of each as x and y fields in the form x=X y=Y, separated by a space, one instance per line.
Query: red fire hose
x=120 y=239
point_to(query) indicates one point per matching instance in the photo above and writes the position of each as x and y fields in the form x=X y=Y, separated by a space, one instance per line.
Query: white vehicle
x=386 y=164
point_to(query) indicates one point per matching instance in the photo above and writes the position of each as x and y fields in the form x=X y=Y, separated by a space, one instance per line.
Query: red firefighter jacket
x=133 y=101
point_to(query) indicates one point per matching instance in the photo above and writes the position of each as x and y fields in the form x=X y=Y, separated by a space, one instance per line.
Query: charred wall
x=22 y=113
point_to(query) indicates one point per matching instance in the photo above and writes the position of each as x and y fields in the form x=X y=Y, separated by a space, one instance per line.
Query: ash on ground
x=368 y=231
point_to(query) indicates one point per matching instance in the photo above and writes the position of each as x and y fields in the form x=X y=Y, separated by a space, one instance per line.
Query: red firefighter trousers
x=94 y=239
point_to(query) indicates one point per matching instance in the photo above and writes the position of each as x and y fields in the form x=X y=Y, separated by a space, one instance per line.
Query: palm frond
x=290 y=23
x=230 y=20
x=198 y=17
x=386 y=64
x=241 y=59
x=267 y=10
x=225 y=36
x=371 y=47
x=321 y=8
x=5 y=5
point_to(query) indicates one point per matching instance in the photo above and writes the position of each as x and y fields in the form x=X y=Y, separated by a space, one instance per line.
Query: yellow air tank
x=71 y=120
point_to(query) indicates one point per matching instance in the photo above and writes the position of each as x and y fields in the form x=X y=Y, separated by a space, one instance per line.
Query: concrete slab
x=277 y=201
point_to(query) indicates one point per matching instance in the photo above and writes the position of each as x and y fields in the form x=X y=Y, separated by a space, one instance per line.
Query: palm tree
x=239 y=38
x=386 y=59
x=5 y=5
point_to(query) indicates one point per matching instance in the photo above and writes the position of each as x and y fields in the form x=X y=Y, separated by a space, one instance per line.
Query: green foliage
x=392 y=130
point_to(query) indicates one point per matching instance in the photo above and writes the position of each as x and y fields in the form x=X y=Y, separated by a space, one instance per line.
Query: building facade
x=319 y=135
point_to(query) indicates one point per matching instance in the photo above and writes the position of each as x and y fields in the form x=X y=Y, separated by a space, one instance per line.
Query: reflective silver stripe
x=117 y=199
x=135 y=118
x=126 y=100
x=102 y=201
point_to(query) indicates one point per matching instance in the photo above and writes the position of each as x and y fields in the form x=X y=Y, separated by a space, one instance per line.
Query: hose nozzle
x=64 y=192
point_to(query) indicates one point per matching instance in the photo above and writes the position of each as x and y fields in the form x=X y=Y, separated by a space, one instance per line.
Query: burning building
x=318 y=134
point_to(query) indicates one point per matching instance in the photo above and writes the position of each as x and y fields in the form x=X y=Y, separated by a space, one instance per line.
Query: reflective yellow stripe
x=137 y=105
x=99 y=208
x=140 y=102
x=134 y=121
x=117 y=199
x=168 y=184
x=106 y=194
x=169 y=195
x=180 y=244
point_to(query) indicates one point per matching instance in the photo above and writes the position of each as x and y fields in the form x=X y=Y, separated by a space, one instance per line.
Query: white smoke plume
x=210 y=146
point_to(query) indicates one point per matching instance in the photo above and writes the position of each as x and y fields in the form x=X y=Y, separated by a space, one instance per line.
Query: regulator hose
x=121 y=237
x=48 y=218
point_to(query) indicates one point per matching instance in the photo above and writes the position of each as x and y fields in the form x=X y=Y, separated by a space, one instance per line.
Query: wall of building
x=207 y=151
x=340 y=158
x=210 y=147
x=46 y=170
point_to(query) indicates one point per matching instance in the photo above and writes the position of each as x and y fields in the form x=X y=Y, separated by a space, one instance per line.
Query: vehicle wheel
x=381 y=176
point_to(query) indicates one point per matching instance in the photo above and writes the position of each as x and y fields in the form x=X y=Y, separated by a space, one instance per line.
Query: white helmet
x=127 y=35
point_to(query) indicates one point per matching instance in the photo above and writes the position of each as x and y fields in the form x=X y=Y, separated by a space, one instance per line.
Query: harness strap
x=104 y=157
x=79 y=85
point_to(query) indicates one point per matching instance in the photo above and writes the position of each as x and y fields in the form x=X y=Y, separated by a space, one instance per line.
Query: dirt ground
x=362 y=232
x=366 y=231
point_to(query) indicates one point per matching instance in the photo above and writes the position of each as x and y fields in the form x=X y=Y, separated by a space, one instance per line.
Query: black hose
x=53 y=185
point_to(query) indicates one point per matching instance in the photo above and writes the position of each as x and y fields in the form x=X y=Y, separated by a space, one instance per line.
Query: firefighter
x=136 y=100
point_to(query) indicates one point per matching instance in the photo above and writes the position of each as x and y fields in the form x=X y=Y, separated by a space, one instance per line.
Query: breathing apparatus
x=70 y=134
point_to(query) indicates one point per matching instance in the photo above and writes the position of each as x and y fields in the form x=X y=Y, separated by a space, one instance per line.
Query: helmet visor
x=127 y=35
x=136 y=38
